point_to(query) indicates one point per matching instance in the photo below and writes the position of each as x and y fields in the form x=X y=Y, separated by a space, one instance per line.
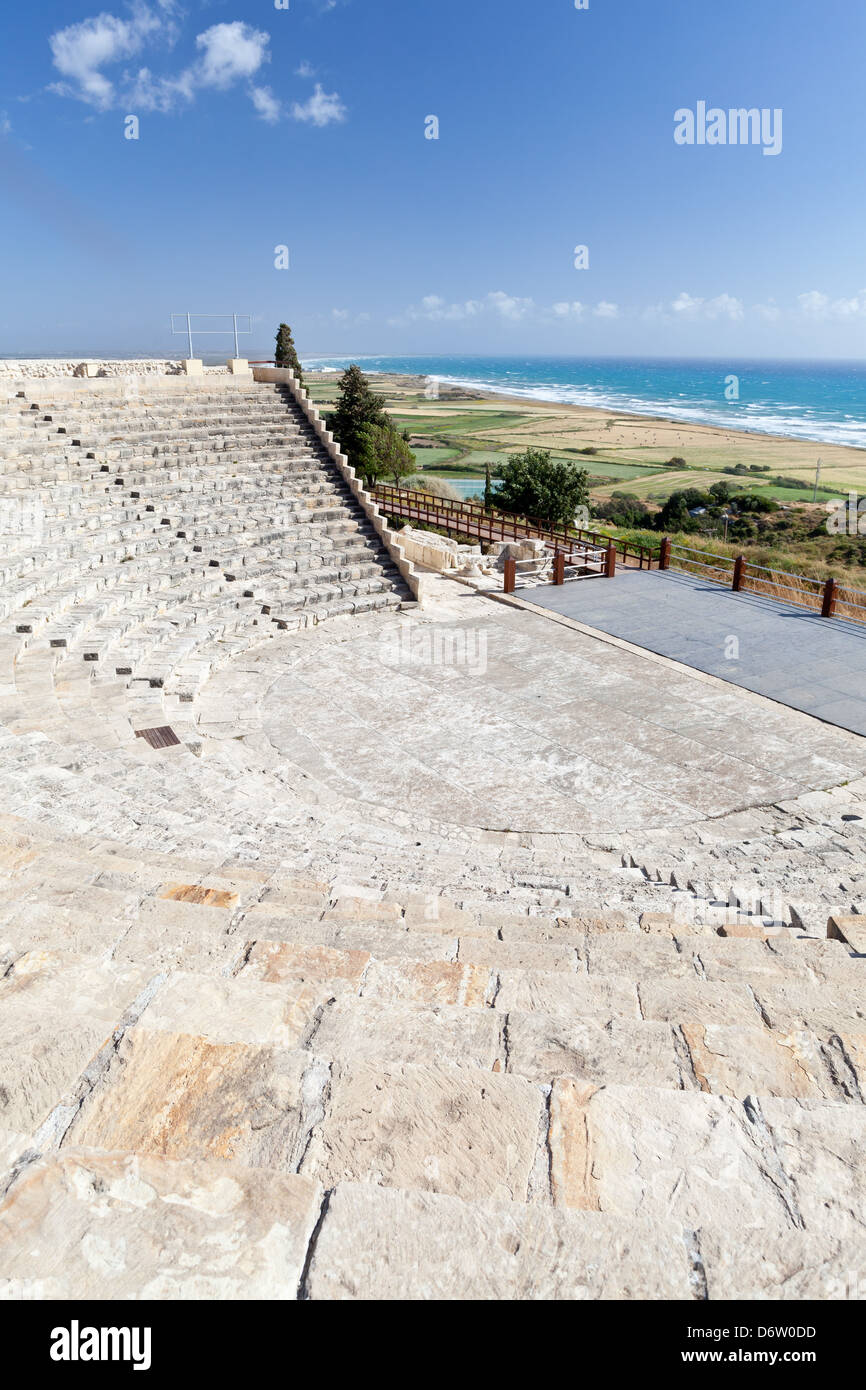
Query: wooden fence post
x=610 y=561
x=510 y=574
x=559 y=567
x=665 y=554
x=828 y=606
x=739 y=571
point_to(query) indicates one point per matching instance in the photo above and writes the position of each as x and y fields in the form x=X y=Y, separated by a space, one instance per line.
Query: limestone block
x=124 y=1225
x=239 y=366
x=597 y=923
x=349 y=909
x=851 y=930
x=193 y=366
x=528 y=549
x=748 y=962
x=666 y=1155
x=793 y=1004
x=186 y=1098
x=58 y=927
x=437 y=914
x=517 y=955
x=784 y=1265
x=53 y=1020
x=747 y=931
x=381 y=941
x=278 y=961
x=170 y=935
x=460 y=1131
x=371 y=1030
x=664 y=924
x=543 y=1046
x=634 y=957
x=541 y=930
x=383 y=1243
x=820 y=1149
x=598 y=999
x=242 y=1010
x=736 y=1061
x=430 y=982
x=702 y=1001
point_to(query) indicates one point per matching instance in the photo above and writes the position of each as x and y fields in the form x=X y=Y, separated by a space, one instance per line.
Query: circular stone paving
x=510 y=721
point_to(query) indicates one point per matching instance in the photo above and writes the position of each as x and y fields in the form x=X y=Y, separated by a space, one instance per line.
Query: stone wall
x=43 y=368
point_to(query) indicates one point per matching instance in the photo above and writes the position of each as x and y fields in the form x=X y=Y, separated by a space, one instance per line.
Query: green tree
x=398 y=461
x=286 y=354
x=357 y=408
x=535 y=485
x=624 y=509
x=366 y=458
x=383 y=453
x=674 y=515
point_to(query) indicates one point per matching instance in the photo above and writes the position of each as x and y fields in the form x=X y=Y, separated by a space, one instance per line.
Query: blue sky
x=305 y=127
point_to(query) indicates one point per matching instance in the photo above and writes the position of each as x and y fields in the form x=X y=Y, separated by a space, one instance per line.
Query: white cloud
x=434 y=309
x=723 y=306
x=437 y=310
x=305 y=69
x=5 y=124
x=145 y=92
x=605 y=310
x=508 y=306
x=686 y=304
x=80 y=51
x=230 y=52
x=564 y=309
x=227 y=54
x=321 y=109
x=816 y=305
x=267 y=105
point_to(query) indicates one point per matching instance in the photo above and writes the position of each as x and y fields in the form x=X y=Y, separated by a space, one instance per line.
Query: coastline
x=812 y=402
x=627 y=442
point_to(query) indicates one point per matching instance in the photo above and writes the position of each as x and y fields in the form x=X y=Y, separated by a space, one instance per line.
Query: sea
x=820 y=401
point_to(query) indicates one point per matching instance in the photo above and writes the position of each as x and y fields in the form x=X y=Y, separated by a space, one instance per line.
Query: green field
x=476 y=422
x=479 y=458
x=434 y=458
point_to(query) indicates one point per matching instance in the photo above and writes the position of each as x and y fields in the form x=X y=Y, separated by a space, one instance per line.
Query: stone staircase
x=261 y=1037
x=152 y=528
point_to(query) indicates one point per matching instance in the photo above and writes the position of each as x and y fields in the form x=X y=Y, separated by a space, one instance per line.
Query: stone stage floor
x=487 y=715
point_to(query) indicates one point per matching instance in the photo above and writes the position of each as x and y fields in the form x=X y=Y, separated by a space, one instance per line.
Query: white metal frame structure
x=189 y=330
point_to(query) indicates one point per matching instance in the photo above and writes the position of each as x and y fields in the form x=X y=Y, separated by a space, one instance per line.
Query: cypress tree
x=357 y=407
x=287 y=354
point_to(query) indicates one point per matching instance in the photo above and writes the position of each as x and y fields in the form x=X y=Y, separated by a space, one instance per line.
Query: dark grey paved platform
x=807 y=662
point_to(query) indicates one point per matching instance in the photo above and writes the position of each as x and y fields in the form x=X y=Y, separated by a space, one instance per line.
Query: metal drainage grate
x=164 y=737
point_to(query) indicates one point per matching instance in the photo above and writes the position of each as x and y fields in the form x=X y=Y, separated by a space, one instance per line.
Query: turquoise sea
x=822 y=401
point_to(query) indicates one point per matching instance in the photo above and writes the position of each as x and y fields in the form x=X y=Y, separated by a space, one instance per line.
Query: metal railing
x=828 y=597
